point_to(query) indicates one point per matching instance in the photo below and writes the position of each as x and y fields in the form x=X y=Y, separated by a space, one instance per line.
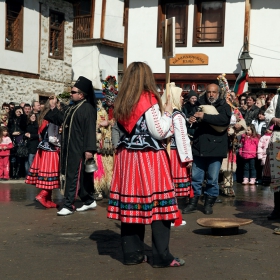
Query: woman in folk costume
x=44 y=170
x=142 y=192
x=181 y=152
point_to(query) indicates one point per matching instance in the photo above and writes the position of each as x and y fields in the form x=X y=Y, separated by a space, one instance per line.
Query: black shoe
x=208 y=204
x=192 y=206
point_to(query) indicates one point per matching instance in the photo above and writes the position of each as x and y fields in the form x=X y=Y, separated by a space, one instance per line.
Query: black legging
x=132 y=236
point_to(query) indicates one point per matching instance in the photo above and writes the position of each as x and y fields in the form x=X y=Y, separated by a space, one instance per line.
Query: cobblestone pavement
x=37 y=244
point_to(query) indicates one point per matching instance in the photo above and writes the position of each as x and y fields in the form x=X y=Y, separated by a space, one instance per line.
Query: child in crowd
x=260 y=123
x=262 y=154
x=248 y=151
x=260 y=126
x=5 y=146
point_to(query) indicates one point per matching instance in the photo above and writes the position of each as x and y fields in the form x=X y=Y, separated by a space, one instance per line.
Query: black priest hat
x=85 y=85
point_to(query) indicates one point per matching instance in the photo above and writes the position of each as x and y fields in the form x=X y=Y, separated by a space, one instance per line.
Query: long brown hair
x=29 y=116
x=138 y=77
x=254 y=132
x=46 y=109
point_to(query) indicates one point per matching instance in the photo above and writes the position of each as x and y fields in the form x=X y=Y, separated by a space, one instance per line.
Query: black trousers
x=132 y=236
x=83 y=188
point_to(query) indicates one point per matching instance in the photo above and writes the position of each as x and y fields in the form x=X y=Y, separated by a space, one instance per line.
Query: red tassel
x=178 y=221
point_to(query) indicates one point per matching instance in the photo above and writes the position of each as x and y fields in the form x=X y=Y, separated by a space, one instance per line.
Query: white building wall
x=108 y=60
x=85 y=63
x=265 y=38
x=97 y=19
x=88 y=61
x=26 y=61
x=142 y=36
x=114 y=29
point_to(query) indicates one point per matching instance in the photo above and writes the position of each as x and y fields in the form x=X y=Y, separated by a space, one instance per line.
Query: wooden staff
x=167 y=75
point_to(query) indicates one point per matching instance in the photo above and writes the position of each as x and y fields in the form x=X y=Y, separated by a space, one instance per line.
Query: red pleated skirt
x=44 y=170
x=142 y=190
x=181 y=175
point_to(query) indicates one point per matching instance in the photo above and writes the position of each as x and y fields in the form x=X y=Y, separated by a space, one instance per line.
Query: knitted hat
x=190 y=94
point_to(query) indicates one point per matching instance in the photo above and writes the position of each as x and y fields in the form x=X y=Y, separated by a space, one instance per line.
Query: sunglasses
x=74 y=92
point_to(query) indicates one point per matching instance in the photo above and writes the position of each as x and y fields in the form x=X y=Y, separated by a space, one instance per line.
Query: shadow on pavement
x=208 y=231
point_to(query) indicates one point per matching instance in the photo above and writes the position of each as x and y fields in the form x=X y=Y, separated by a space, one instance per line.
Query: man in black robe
x=78 y=145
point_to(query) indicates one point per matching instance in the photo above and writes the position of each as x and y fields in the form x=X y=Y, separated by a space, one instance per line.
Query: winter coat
x=17 y=124
x=250 y=114
x=33 y=141
x=249 y=146
x=207 y=142
x=262 y=147
x=6 y=142
x=260 y=126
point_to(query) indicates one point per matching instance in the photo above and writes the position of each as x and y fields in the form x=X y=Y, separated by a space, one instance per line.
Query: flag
x=241 y=84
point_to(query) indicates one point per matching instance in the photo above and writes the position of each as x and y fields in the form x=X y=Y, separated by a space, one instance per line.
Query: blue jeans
x=28 y=162
x=211 y=166
x=249 y=168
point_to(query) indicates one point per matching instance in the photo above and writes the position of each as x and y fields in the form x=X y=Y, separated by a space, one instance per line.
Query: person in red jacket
x=5 y=146
x=248 y=151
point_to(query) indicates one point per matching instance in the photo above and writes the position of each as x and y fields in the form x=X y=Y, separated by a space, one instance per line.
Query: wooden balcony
x=82 y=27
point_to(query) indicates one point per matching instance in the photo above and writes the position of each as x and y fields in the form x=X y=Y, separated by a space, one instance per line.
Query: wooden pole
x=247 y=24
x=167 y=75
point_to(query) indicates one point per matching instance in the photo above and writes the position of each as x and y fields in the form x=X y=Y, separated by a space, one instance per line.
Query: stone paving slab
x=35 y=243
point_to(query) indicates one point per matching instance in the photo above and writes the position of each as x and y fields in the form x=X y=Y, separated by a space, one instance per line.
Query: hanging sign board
x=189 y=59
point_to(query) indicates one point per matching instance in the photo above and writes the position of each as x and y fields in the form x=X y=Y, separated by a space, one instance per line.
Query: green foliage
x=64 y=95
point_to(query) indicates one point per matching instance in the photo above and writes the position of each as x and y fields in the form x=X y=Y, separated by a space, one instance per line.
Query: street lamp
x=245 y=60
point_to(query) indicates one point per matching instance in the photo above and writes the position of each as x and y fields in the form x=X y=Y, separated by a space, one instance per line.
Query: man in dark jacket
x=209 y=148
x=252 y=111
x=78 y=145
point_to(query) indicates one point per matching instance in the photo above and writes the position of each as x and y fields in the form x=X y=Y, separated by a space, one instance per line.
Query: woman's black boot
x=275 y=214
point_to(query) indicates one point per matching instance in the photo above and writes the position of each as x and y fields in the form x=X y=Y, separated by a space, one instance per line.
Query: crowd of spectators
x=249 y=126
x=21 y=123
